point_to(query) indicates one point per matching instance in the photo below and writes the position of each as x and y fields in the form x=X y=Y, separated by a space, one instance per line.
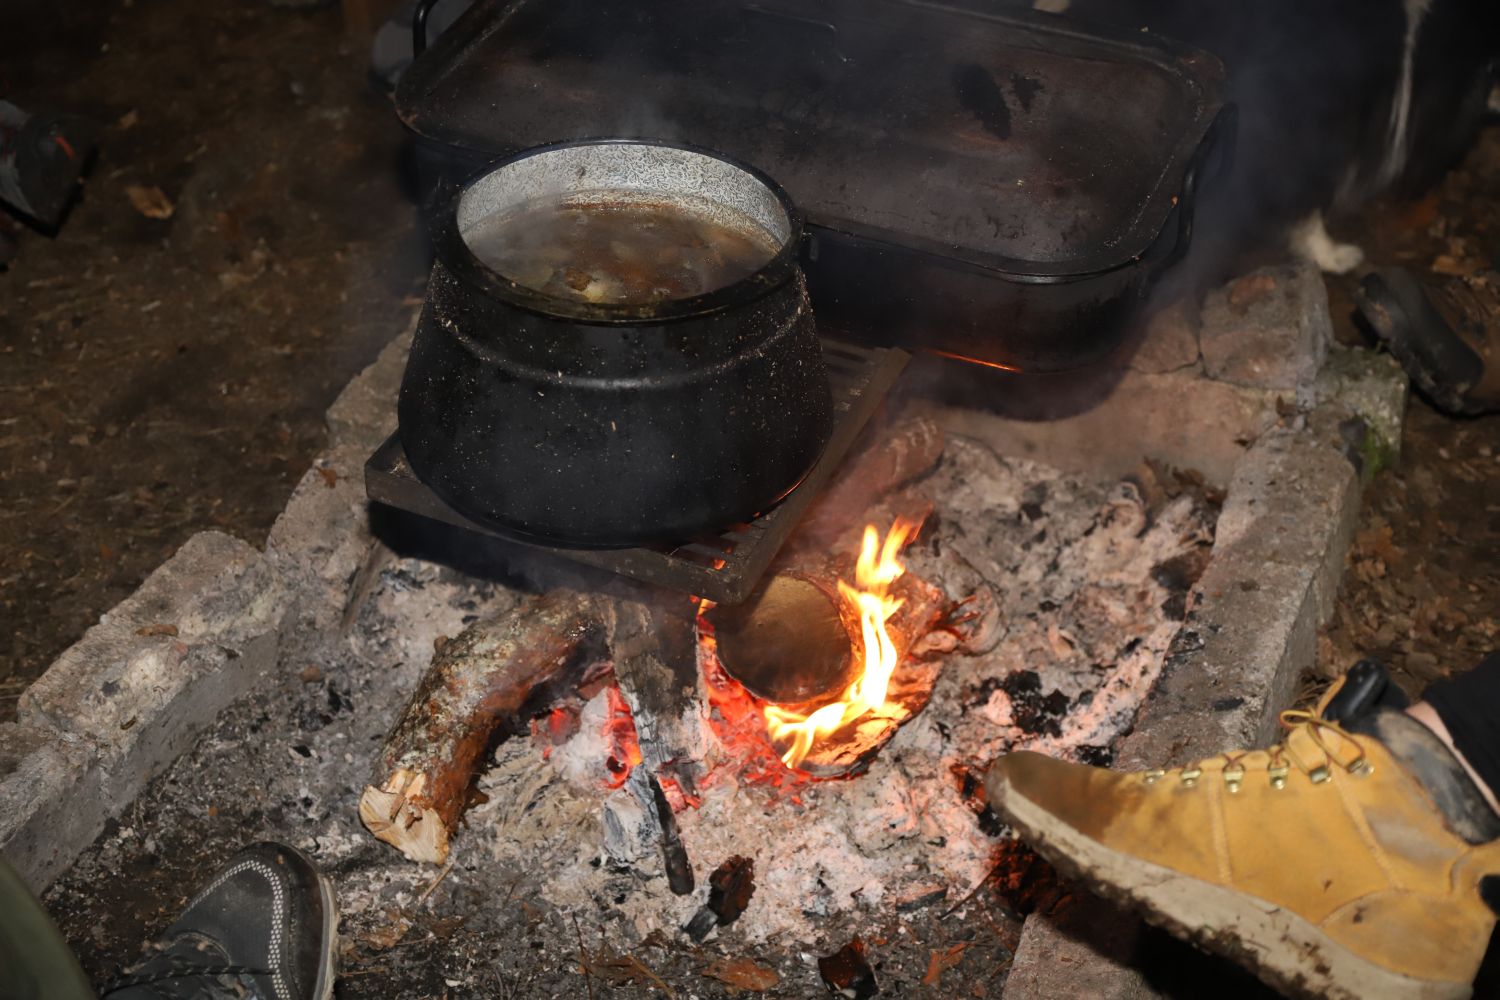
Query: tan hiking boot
x=1325 y=865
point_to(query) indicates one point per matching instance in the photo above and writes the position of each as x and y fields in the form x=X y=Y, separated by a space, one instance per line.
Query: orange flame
x=877 y=568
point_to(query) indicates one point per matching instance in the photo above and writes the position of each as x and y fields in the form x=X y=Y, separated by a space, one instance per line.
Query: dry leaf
x=150 y=201
x=389 y=935
x=159 y=629
x=941 y=961
x=1450 y=265
x=329 y=476
x=743 y=974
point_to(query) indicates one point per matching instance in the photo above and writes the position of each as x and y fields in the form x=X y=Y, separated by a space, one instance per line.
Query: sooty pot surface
x=598 y=423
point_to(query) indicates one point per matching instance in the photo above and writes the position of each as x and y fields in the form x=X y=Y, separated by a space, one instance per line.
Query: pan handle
x=1214 y=155
x=419 y=26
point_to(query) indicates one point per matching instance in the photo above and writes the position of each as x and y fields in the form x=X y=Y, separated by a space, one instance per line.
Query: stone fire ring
x=221 y=618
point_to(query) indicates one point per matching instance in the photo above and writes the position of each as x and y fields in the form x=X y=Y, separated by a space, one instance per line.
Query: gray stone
x=1171 y=339
x=364 y=415
x=322 y=539
x=145 y=682
x=1083 y=951
x=1374 y=387
x=1270 y=329
x=40 y=829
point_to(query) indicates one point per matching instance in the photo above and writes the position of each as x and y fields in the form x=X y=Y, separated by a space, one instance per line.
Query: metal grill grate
x=724 y=567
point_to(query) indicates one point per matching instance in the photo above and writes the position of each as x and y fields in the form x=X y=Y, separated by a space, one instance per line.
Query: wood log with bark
x=478 y=682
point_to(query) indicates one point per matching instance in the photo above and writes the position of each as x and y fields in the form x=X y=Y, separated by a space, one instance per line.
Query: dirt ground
x=163 y=376
x=1423 y=588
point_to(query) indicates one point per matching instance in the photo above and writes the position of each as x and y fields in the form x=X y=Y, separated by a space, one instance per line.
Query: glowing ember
x=625 y=749
x=878 y=567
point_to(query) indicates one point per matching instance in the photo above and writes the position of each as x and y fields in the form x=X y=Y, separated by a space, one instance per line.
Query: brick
x=1269 y=329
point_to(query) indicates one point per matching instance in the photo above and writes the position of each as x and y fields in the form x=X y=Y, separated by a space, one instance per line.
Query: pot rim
x=456 y=254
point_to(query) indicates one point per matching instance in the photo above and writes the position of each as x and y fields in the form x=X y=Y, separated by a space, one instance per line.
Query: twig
x=428 y=891
x=588 y=976
x=641 y=966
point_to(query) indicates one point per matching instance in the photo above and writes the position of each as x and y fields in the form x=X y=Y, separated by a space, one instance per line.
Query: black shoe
x=265 y=928
x=1446 y=336
x=42 y=157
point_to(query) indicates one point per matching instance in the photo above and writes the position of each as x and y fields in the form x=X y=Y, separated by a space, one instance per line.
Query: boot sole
x=1283 y=949
x=328 y=969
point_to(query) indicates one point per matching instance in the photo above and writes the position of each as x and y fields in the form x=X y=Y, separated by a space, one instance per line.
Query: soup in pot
x=621 y=252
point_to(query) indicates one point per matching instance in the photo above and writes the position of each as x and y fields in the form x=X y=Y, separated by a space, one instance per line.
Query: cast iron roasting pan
x=1000 y=187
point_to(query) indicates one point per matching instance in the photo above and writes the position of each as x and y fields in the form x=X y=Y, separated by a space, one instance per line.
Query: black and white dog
x=1340 y=100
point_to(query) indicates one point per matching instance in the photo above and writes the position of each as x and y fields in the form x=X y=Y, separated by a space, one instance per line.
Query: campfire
x=898 y=642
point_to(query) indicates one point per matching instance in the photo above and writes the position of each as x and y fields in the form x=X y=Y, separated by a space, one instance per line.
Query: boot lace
x=1283 y=757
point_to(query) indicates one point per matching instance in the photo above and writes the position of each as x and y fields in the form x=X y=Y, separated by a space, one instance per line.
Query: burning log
x=475 y=685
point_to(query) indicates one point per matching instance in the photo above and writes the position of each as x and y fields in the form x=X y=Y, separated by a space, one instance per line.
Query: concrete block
x=1294 y=501
x=1085 y=950
x=40 y=774
x=145 y=682
x=1270 y=329
x=322 y=538
x=364 y=415
x=1170 y=342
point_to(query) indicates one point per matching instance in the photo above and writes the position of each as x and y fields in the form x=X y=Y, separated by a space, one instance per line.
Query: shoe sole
x=328 y=972
x=1283 y=949
x=328 y=967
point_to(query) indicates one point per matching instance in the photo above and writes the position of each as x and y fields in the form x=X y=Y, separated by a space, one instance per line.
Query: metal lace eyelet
x=1152 y=776
x=1233 y=776
x=1319 y=774
x=1190 y=776
x=1361 y=768
x=1278 y=775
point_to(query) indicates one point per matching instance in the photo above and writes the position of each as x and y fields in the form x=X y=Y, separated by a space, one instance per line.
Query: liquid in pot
x=626 y=252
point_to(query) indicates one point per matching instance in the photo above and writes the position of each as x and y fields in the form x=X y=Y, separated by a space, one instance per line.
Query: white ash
x=1059 y=570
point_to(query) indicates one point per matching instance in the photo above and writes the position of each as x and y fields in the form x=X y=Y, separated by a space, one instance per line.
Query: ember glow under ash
x=878 y=567
x=624 y=747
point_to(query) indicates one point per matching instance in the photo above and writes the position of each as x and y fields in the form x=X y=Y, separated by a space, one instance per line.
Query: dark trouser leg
x=1469 y=705
x=35 y=962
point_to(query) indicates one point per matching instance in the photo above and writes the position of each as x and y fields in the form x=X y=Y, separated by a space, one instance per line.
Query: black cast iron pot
x=586 y=424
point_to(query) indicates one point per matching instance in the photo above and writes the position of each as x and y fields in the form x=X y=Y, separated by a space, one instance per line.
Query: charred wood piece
x=732 y=885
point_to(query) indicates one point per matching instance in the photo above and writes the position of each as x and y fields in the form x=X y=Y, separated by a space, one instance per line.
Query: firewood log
x=477 y=683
